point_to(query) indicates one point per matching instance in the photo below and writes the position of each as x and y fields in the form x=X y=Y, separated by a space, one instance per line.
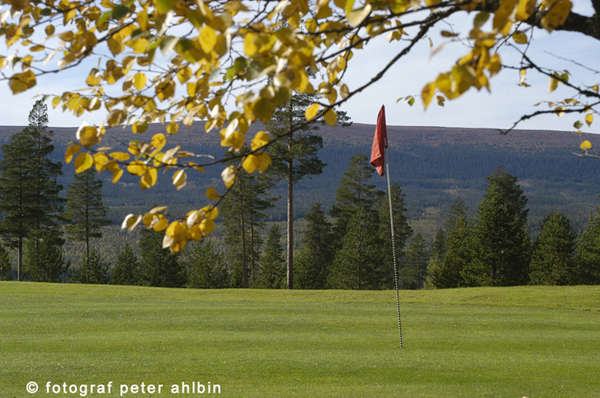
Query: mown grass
x=483 y=342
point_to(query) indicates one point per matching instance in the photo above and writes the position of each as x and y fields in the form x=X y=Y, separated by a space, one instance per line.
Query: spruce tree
x=93 y=270
x=158 y=266
x=413 y=271
x=243 y=211
x=587 y=258
x=206 y=267
x=358 y=263
x=85 y=213
x=16 y=194
x=293 y=159
x=355 y=193
x=401 y=232
x=504 y=245
x=272 y=264
x=552 y=261
x=458 y=250
x=316 y=255
x=43 y=257
x=5 y=267
x=29 y=191
x=436 y=259
x=126 y=270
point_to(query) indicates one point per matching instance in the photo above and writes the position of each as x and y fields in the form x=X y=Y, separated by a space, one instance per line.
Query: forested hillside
x=433 y=165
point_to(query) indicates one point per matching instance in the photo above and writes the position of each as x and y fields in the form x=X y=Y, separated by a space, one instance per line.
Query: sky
x=498 y=109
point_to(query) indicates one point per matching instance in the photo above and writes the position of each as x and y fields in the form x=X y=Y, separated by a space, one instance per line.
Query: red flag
x=379 y=143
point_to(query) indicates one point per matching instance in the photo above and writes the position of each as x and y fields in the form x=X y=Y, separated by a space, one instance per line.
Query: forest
x=485 y=239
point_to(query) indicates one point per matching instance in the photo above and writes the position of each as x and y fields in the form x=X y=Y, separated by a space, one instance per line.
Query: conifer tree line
x=345 y=247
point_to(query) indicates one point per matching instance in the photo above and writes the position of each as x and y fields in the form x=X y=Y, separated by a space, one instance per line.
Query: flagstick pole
x=389 y=192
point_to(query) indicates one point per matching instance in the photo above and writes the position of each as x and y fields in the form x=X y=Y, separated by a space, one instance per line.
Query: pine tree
x=587 y=259
x=206 y=267
x=458 y=250
x=316 y=255
x=127 y=268
x=85 y=213
x=412 y=273
x=436 y=259
x=243 y=211
x=552 y=261
x=401 y=232
x=357 y=263
x=29 y=191
x=355 y=193
x=5 y=267
x=43 y=257
x=93 y=270
x=502 y=231
x=272 y=264
x=294 y=159
x=16 y=194
x=158 y=266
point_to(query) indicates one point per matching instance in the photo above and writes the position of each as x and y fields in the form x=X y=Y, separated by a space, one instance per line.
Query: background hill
x=434 y=166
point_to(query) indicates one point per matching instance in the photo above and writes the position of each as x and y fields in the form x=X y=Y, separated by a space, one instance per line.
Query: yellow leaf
x=120 y=156
x=208 y=38
x=260 y=140
x=71 y=150
x=179 y=179
x=172 y=128
x=427 y=94
x=558 y=11
x=211 y=193
x=207 y=226
x=158 y=209
x=520 y=38
x=525 y=9
x=100 y=161
x=184 y=74
x=585 y=145
x=589 y=118
x=149 y=178
x=210 y=212
x=228 y=176
x=163 y=6
x=139 y=80
x=264 y=161
x=330 y=117
x=344 y=91
x=356 y=17
x=131 y=221
x=161 y=224
x=312 y=111
x=117 y=173
x=88 y=136
x=20 y=82
x=250 y=164
x=83 y=161
x=553 y=84
x=176 y=230
x=137 y=168
x=158 y=141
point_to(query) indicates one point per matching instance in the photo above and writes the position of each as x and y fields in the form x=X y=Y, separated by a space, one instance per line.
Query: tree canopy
x=232 y=63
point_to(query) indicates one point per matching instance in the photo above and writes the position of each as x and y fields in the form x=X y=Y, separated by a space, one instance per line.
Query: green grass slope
x=483 y=342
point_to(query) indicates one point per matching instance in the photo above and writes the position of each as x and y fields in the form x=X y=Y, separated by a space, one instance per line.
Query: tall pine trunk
x=290 y=212
x=20 y=259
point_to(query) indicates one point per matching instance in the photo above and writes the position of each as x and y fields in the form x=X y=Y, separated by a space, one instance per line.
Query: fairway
x=480 y=342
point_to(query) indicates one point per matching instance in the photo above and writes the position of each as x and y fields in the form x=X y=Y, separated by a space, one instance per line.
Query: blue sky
x=500 y=109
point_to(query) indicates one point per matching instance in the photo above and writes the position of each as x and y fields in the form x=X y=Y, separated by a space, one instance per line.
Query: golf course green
x=480 y=342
